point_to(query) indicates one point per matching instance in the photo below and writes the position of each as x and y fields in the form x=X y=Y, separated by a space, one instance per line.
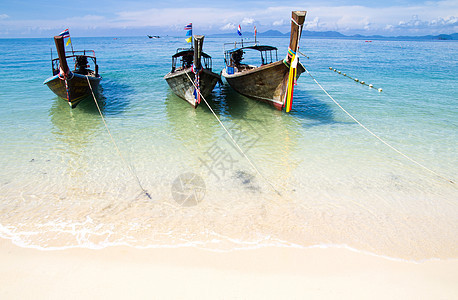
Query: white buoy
x=330 y=68
x=334 y=70
x=339 y=72
x=345 y=74
x=371 y=86
x=380 y=90
x=356 y=79
x=362 y=82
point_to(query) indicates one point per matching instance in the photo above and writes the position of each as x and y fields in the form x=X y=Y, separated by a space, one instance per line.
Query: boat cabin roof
x=188 y=52
x=256 y=47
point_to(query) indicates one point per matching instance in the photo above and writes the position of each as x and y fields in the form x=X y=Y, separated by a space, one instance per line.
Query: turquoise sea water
x=62 y=183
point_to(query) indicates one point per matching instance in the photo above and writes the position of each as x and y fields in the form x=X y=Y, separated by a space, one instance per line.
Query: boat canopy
x=184 y=57
x=81 y=62
x=184 y=52
x=234 y=57
x=256 y=47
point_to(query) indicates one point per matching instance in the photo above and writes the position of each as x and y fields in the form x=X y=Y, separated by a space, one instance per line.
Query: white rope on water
x=376 y=136
x=302 y=54
x=114 y=142
x=232 y=139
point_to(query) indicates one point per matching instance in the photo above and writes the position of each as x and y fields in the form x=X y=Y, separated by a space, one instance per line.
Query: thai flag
x=188 y=27
x=239 y=30
x=65 y=33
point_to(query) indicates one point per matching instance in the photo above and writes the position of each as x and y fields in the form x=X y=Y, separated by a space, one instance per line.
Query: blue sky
x=36 y=18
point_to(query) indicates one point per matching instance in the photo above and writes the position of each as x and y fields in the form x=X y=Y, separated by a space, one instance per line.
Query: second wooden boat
x=190 y=78
x=73 y=86
x=270 y=81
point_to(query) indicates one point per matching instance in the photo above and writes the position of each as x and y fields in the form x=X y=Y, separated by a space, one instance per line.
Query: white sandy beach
x=189 y=273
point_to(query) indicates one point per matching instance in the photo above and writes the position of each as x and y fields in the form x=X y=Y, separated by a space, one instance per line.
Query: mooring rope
x=232 y=139
x=302 y=53
x=114 y=142
x=376 y=136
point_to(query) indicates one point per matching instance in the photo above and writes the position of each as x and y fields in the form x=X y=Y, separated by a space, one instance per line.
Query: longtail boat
x=73 y=86
x=273 y=80
x=189 y=78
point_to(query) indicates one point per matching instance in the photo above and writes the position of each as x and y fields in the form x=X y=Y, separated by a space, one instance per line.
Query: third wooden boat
x=269 y=81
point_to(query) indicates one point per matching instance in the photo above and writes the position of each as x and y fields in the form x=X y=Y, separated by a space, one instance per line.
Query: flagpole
x=239 y=31
x=73 y=52
x=189 y=34
x=255 y=33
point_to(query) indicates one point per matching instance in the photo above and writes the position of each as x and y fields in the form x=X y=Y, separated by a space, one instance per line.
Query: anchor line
x=376 y=136
x=233 y=140
x=114 y=142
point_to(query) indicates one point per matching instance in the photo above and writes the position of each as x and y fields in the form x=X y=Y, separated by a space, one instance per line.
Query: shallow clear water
x=62 y=183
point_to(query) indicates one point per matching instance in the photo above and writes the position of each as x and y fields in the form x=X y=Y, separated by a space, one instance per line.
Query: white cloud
x=431 y=17
x=87 y=18
x=416 y=23
x=228 y=26
x=247 y=21
x=389 y=27
x=312 y=24
x=170 y=17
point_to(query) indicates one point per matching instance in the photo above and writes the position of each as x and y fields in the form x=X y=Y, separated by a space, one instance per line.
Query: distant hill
x=272 y=33
x=335 y=34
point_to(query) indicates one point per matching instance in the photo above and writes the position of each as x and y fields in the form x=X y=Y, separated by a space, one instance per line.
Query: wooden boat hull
x=182 y=87
x=267 y=83
x=78 y=87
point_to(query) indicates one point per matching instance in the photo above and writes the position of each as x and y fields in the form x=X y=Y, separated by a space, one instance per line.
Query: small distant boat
x=153 y=36
x=189 y=75
x=268 y=82
x=73 y=86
